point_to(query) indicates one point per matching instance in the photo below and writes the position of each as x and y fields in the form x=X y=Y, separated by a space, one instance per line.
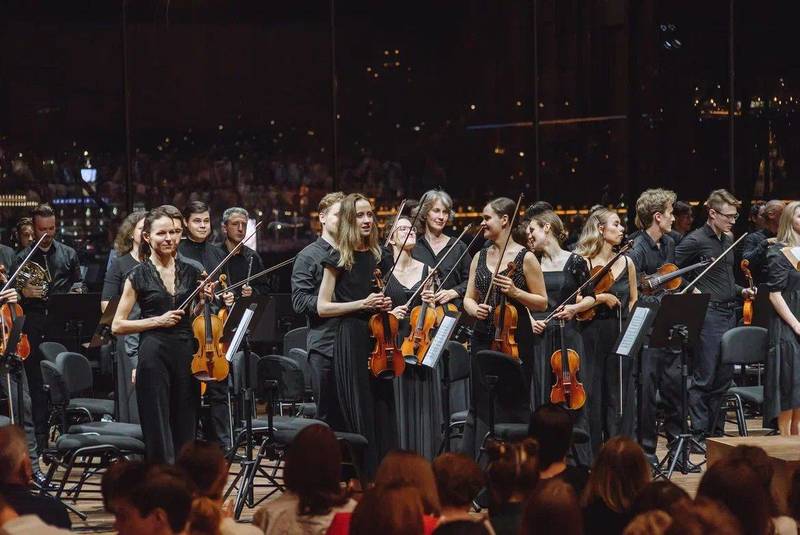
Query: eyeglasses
x=406 y=229
x=730 y=217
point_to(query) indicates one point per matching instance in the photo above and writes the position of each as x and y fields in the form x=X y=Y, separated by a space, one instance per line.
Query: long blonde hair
x=786 y=233
x=348 y=237
x=591 y=241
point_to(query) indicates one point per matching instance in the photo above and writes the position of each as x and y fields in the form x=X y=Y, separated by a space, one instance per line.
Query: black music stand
x=676 y=328
x=437 y=352
x=12 y=365
x=237 y=311
x=102 y=334
x=72 y=317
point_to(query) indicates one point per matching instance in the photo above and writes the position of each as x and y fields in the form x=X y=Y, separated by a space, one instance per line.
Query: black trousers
x=167 y=394
x=15 y=377
x=34 y=328
x=660 y=372
x=323 y=383
x=711 y=377
x=216 y=424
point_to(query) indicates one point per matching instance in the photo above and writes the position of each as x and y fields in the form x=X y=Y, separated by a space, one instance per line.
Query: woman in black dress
x=167 y=393
x=367 y=403
x=782 y=381
x=525 y=291
x=601 y=368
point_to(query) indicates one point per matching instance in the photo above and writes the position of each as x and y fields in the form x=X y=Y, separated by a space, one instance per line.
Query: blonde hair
x=650 y=202
x=591 y=241
x=431 y=196
x=786 y=233
x=551 y=218
x=718 y=197
x=348 y=236
x=329 y=200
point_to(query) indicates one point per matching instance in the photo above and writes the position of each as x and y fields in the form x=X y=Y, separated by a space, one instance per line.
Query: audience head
x=458 y=480
x=409 y=468
x=234 y=224
x=197 y=219
x=513 y=470
x=44 y=223
x=129 y=235
x=653 y=522
x=701 y=517
x=206 y=467
x=619 y=473
x=684 y=216
x=737 y=486
x=789 y=225
x=757 y=459
x=312 y=470
x=15 y=463
x=551 y=426
x=328 y=210
x=659 y=495
x=394 y=509
x=552 y=509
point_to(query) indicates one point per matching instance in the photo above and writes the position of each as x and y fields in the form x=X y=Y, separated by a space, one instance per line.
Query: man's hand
x=29 y=291
x=9 y=296
x=247 y=290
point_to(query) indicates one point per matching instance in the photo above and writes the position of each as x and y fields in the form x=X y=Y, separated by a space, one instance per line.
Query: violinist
x=563 y=273
x=711 y=378
x=652 y=248
x=167 y=394
x=684 y=219
x=367 y=403
x=246 y=260
x=435 y=213
x=8 y=257
x=602 y=232
x=419 y=424
x=306 y=280
x=526 y=290
x=782 y=380
x=754 y=246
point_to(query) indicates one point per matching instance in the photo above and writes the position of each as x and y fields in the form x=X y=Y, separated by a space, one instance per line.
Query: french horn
x=35 y=275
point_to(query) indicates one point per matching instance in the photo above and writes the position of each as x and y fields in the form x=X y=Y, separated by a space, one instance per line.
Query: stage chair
x=458 y=362
x=744 y=346
x=50 y=350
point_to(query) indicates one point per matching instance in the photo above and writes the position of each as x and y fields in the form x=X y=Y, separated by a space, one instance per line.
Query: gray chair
x=458 y=364
x=50 y=350
x=78 y=379
x=744 y=346
x=291 y=391
x=294 y=347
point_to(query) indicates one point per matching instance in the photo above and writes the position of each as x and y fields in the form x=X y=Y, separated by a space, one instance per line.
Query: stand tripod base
x=678 y=457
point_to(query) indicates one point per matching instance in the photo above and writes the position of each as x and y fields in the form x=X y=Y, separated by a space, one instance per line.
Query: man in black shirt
x=234 y=229
x=63 y=273
x=711 y=378
x=306 y=279
x=660 y=369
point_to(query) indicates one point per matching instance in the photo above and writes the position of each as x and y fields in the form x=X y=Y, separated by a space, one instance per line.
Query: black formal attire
x=599 y=519
x=307 y=273
x=215 y=424
x=61 y=263
x=25 y=501
x=168 y=395
x=8 y=258
x=238 y=266
x=602 y=373
x=753 y=248
x=367 y=403
x=127 y=346
x=660 y=368
x=710 y=377
x=506 y=410
x=460 y=275
x=782 y=372
x=559 y=285
x=676 y=236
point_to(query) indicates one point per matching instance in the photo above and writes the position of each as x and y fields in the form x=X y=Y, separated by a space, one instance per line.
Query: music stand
x=237 y=312
x=72 y=316
x=677 y=327
x=13 y=365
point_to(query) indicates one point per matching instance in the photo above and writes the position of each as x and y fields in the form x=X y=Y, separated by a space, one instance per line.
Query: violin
x=747 y=310
x=423 y=320
x=567 y=390
x=505 y=323
x=209 y=362
x=223 y=311
x=603 y=279
x=667 y=278
x=386 y=360
x=9 y=313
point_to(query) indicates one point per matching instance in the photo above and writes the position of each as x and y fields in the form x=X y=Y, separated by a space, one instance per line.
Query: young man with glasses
x=711 y=378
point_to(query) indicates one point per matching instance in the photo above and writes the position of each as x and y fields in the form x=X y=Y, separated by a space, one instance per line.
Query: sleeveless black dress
x=167 y=394
x=602 y=370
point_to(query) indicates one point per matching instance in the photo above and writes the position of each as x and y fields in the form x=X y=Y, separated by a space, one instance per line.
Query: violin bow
x=413 y=223
x=711 y=265
x=503 y=252
x=257 y=275
x=394 y=224
x=13 y=277
x=458 y=261
x=219 y=267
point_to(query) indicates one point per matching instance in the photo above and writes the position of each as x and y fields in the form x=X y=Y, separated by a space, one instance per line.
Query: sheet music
x=437 y=345
x=247 y=315
x=634 y=326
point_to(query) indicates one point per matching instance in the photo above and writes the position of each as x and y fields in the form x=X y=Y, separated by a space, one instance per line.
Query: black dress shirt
x=237 y=268
x=458 y=279
x=204 y=253
x=718 y=281
x=647 y=255
x=25 y=502
x=61 y=263
x=307 y=274
x=754 y=249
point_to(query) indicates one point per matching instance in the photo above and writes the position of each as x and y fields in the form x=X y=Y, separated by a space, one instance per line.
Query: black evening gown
x=559 y=286
x=367 y=403
x=167 y=394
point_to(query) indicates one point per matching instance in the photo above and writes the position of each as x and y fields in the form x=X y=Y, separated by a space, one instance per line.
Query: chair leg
x=741 y=422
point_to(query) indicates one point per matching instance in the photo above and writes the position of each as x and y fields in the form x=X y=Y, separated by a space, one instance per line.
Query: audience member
x=660 y=496
x=551 y=425
x=394 y=509
x=13 y=524
x=312 y=474
x=793 y=500
x=15 y=477
x=458 y=481
x=620 y=472
x=653 y=522
x=701 y=517
x=512 y=475
x=734 y=484
x=552 y=509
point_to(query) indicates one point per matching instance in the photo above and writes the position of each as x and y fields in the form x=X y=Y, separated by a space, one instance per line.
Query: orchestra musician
x=307 y=274
x=526 y=290
x=234 y=227
x=602 y=232
x=61 y=274
x=167 y=394
x=711 y=377
x=653 y=247
x=367 y=403
x=782 y=373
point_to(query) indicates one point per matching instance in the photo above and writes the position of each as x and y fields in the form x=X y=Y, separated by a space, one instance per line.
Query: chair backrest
x=744 y=345
x=237 y=371
x=295 y=339
x=291 y=383
x=301 y=358
x=54 y=379
x=77 y=371
x=458 y=359
x=50 y=350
